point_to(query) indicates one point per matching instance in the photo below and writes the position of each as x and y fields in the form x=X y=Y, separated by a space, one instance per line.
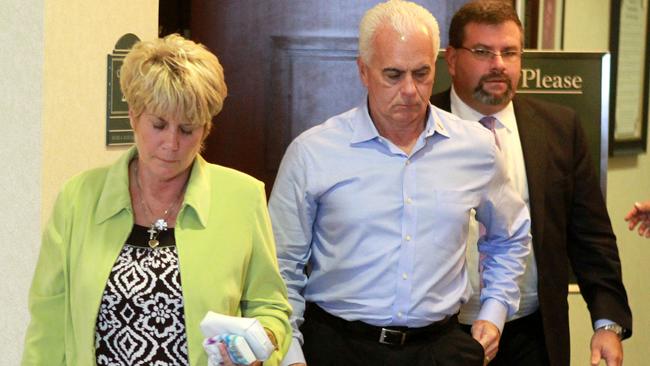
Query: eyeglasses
x=488 y=55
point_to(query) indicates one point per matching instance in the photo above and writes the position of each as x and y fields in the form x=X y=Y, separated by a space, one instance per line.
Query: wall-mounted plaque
x=629 y=44
x=118 y=129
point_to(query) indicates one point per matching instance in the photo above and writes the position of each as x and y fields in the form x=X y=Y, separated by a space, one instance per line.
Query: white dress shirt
x=508 y=135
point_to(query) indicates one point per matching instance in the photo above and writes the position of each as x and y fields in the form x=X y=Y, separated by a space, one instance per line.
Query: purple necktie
x=489 y=122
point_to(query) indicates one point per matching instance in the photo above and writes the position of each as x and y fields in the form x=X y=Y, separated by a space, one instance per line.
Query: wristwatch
x=613 y=328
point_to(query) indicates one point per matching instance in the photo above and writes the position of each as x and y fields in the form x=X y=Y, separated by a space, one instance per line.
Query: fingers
x=486 y=360
x=487 y=334
x=605 y=345
x=596 y=347
x=643 y=228
x=224 y=355
x=595 y=357
x=632 y=214
x=639 y=218
x=643 y=207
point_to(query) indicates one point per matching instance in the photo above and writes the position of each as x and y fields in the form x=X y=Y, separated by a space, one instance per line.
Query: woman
x=137 y=253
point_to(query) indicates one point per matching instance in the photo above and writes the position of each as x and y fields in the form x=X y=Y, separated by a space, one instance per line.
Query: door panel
x=289 y=65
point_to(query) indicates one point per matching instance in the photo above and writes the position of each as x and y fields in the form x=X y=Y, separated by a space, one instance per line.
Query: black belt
x=394 y=336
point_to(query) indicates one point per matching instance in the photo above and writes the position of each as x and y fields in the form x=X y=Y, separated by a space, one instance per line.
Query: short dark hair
x=491 y=12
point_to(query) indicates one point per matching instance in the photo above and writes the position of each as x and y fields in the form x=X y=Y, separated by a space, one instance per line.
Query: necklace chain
x=160 y=224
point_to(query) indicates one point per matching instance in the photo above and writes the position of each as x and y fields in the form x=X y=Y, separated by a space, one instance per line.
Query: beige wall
x=78 y=36
x=628 y=180
x=53 y=69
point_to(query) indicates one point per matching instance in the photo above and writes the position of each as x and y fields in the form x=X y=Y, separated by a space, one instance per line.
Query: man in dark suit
x=548 y=161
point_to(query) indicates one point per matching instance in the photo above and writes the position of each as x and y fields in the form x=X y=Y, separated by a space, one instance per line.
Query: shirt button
x=399 y=314
x=409 y=200
x=408 y=238
x=408 y=161
x=405 y=276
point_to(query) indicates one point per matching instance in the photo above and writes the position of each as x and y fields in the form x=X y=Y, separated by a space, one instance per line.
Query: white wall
x=21 y=65
x=628 y=180
x=53 y=100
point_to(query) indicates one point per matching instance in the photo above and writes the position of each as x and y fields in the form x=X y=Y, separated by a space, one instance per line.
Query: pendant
x=160 y=224
x=153 y=243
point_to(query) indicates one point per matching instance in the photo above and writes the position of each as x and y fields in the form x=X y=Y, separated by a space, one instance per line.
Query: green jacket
x=225 y=248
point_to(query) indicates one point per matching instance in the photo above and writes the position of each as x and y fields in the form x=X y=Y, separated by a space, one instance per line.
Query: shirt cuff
x=602 y=322
x=294 y=354
x=495 y=312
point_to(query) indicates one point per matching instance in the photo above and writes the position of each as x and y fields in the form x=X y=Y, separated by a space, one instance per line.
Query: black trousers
x=329 y=341
x=522 y=342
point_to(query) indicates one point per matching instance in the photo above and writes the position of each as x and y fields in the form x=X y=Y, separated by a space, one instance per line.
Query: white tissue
x=214 y=324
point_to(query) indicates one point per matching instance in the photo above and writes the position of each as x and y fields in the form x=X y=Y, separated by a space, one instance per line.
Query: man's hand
x=606 y=345
x=487 y=334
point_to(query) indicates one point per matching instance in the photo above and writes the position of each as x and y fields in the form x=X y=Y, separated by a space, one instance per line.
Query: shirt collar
x=198 y=195
x=365 y=130
x=505 y=117
x=115 y=195
x=435 y=124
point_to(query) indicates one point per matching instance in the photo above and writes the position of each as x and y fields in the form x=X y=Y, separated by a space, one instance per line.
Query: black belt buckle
x=392 y=337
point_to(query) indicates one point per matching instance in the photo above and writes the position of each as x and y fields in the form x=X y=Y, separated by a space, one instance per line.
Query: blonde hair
x=173 y=76
x=403 y=16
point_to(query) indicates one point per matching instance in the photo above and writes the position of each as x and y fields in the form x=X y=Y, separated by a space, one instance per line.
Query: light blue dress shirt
x=384 y=232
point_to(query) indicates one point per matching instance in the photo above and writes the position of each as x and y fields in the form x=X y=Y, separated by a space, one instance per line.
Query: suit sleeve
x=592 y=244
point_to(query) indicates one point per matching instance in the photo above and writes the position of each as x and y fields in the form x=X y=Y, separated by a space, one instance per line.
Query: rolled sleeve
x=506 y=245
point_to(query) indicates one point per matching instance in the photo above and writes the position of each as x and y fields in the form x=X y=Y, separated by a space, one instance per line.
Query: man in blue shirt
x=370 y=212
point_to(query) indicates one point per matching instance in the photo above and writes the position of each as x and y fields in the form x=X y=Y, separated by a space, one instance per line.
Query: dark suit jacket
x=569 y=221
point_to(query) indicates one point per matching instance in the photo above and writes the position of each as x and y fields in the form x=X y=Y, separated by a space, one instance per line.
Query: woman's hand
x=226 y=357
x=220 y=348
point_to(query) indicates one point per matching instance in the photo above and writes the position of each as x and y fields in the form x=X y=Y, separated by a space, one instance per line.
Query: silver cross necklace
x=158 y=225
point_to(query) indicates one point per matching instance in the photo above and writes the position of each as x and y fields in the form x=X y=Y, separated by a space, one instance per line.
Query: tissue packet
x=238 y=349
x=250 y=329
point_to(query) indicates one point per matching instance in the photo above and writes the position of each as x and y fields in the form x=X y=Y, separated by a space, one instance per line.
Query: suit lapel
x=532 y=134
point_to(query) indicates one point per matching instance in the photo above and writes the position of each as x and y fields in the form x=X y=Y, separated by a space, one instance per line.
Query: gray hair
x=403 y=16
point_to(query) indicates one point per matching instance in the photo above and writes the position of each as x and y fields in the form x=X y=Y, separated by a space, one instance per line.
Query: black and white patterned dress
x=141 y=320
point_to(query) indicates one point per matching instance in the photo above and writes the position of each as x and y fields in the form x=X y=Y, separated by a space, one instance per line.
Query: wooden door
x=289 y=65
